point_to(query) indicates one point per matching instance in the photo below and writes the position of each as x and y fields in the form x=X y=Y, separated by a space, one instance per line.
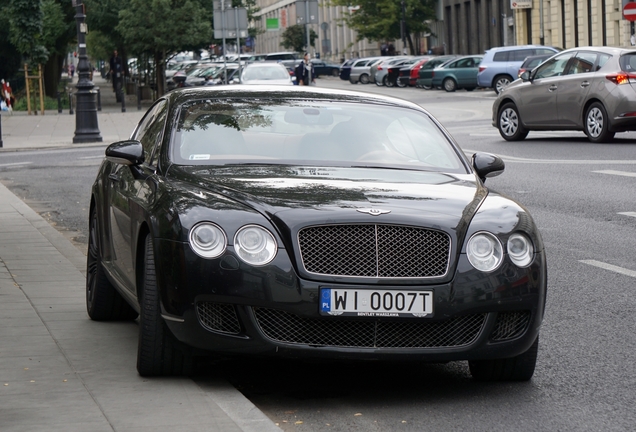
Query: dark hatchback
x=257 y=220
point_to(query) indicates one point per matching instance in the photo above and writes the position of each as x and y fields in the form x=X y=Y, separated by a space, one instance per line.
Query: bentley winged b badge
x=374 y=211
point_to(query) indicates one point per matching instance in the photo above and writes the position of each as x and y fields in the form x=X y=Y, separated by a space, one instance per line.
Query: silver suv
x=500 y=65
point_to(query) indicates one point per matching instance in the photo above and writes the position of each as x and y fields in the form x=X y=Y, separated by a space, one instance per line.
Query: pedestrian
x=116 y=71
x=7 y=96
x=71 y=70
x=303 y=72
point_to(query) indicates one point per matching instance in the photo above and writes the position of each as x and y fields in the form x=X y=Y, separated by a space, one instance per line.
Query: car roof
x=183 y=95
x=516 y=47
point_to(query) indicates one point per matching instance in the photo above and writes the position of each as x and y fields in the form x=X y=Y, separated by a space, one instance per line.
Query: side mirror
x=488 y=165
x=525 y=76
x=129 y=152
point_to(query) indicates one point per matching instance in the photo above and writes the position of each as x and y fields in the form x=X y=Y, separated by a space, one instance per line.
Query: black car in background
x=345 y=69
x=307 y=222
x=321 y=67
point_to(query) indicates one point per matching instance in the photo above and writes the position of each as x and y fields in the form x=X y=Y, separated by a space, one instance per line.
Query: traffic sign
x=629 y=11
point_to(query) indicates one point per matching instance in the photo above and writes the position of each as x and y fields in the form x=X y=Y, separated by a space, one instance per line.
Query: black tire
x=509 y=123
x=158 y=352
x=389 y=81
x=364 y=79
x=401 y=83
x=103 y=301
x=500 y=82
x=519 y=368
x=449 y=85
x=427 y=87
x=596 y=124
x=381 y=82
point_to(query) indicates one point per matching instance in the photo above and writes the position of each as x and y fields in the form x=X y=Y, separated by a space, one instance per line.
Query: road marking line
x=619 y=173
x=610 y=267
x=15 y=164
x=632 y=214
x=92 y=157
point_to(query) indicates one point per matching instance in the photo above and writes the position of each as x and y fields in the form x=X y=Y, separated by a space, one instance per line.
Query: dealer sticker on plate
x=375 y=303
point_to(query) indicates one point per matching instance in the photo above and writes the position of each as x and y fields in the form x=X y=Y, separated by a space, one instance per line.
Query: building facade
x=464 y=26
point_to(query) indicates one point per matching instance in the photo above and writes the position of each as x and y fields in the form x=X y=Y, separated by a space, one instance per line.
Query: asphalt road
x=583 y=198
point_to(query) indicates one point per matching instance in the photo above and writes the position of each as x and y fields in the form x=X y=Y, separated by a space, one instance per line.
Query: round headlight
x=520 y=250
x=207 y=240
x=255 y=245
x=484 y=251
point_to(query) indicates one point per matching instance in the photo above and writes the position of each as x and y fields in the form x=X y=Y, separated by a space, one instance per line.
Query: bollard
x=123 y=99
x=1 y=131
x=99 y=99
x=70 y=103
x=59 y=102
x=138 y=98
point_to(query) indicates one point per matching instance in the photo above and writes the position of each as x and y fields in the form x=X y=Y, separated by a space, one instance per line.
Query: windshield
x=318 y=133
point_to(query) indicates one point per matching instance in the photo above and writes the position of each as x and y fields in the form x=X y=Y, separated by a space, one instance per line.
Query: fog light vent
x=218 y=317
x=510 y=325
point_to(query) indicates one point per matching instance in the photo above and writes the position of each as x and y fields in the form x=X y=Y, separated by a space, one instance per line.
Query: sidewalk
x=60 y=371
x=21 y=131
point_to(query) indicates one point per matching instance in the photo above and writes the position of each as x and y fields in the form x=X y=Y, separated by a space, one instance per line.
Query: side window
x=501 y=56
x=553 y=67
x=150 y=130
x=582 y=63
x=520 y=55
x=539 y=51
x=602 y=59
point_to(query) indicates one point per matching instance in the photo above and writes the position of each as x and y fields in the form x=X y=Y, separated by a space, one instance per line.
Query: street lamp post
x=86 y=127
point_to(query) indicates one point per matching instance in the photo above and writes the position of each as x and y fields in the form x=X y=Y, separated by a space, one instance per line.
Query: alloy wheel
x=595 y=122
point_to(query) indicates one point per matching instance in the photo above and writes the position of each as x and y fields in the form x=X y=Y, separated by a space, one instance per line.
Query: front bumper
x=226 y=307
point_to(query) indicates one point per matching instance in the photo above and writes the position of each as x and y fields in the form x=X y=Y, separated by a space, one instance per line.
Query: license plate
x=375 y=303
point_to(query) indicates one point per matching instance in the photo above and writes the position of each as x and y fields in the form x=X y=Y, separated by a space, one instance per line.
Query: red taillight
x=380 y=67
x=621 y=77
x=482 y=68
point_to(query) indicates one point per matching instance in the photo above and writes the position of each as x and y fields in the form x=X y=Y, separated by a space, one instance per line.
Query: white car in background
x=266 y=73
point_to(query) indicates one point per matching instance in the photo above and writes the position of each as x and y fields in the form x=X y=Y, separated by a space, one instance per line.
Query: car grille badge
x=373 y=211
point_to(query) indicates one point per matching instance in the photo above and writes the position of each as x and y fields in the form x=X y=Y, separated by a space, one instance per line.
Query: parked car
x=361 y=69
x=393 y=71
x=587 y=89
x=244 y=220
x=460 y=73
x=345 y=69
x=221 y=77
x=201 y=74
x=408 y=74
x=532 y=62
x=265 y=73
x=501 y=64
x=425 y=74
x=378 y=71
x=321 y=67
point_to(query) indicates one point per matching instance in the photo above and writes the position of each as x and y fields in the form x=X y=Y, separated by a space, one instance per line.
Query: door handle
x=552 y=88
x=585 y=84
x=114 y=177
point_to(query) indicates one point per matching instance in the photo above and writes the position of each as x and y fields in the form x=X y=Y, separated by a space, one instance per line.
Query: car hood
x=292 y=197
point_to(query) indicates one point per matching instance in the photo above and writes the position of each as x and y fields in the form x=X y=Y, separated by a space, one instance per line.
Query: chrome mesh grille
x=510 y=325
x=218 y=317
x=283 y=326
x=383 y=251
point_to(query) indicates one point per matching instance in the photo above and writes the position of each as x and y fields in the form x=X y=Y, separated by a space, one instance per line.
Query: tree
x=295 y=38
x=162 y=27
x=25 y=25
x=379 y=20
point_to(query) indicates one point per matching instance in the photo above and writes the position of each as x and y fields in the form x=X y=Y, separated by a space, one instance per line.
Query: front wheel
x=509 y=123
x=401 y=83
x=364 y=79
x=596 y=124
x=449 y=85
x=519 y=368
x=157 y=352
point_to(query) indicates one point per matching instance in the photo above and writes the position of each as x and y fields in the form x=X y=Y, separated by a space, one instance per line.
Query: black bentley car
x=304 y=222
